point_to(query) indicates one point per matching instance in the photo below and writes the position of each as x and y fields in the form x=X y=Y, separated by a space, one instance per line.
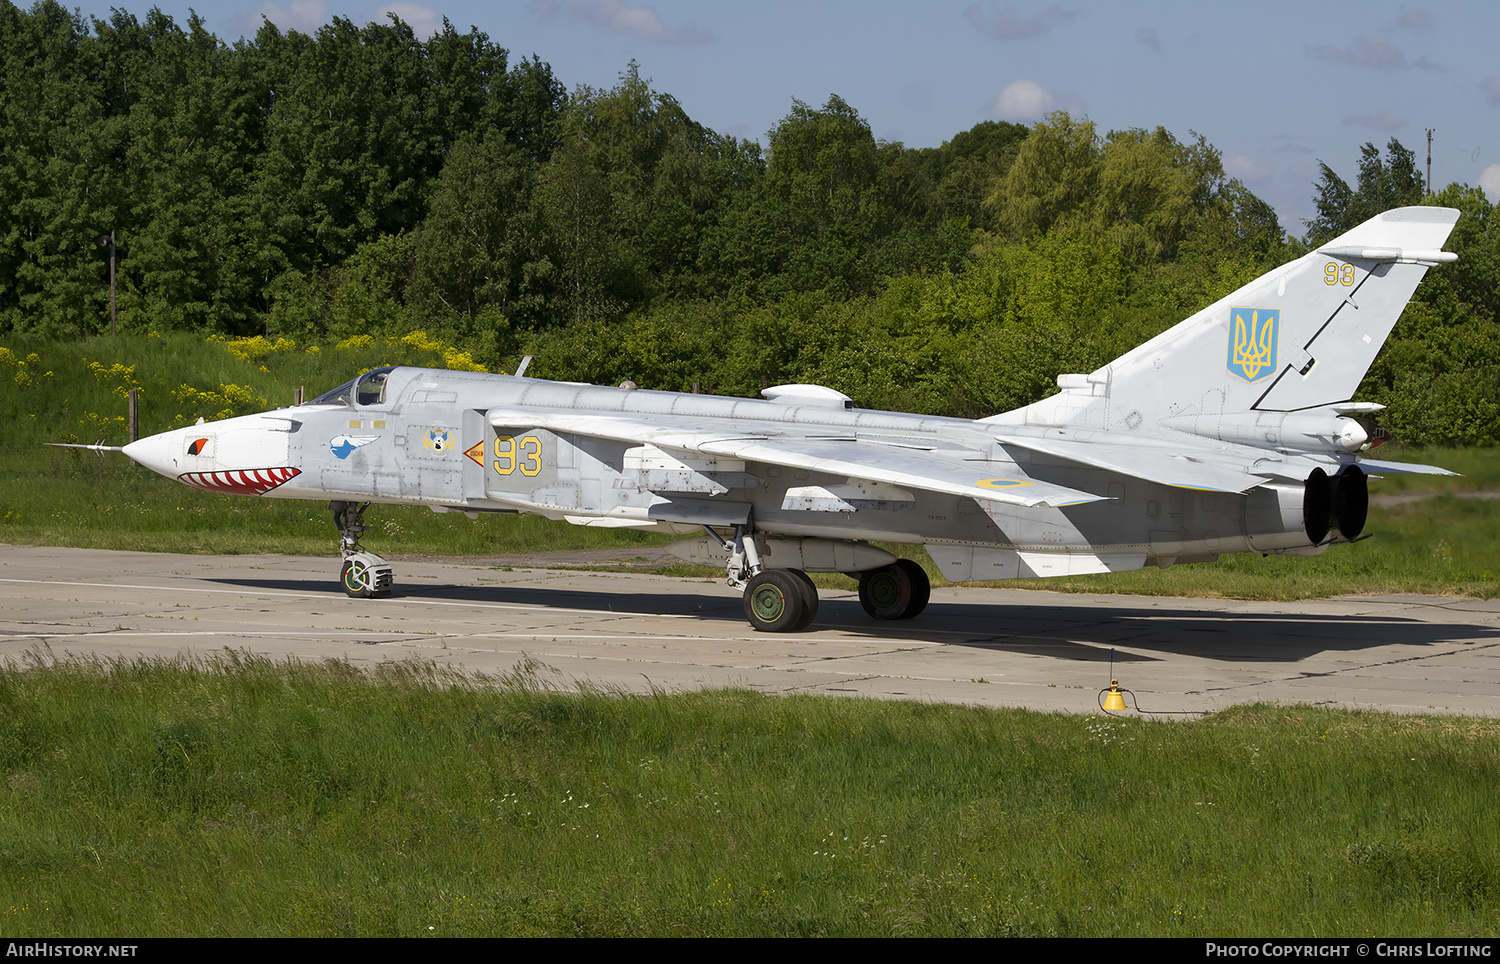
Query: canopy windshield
x=367 y=389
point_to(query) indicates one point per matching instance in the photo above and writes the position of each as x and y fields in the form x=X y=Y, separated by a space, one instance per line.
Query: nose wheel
x=364 y=574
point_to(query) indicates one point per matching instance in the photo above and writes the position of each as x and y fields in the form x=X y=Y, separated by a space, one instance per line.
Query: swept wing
x=948 y=469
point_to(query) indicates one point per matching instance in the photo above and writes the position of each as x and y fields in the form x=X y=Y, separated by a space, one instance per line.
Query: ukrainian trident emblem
x=1252 y=342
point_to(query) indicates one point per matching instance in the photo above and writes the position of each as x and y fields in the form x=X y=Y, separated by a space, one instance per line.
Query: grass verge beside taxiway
x=236 y=796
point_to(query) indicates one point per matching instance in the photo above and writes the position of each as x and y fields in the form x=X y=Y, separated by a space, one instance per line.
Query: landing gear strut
x=897 y=591
x=364 y=574
x=776 y=600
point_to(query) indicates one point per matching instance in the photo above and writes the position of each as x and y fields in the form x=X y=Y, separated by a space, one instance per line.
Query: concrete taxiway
x=995 y=647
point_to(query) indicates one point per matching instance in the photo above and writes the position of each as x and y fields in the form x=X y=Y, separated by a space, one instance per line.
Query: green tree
x=194 y=130
x=825 y=165
x=1439 y=374
x=369 y=289
x=595 y=268
x=346 y=143
x=470 y=92
x=1383 y=184
x=629 y=195
x=822 y=194
x=667 y=177
x=963 y=171
x=61 y=157
x=1145 y=192
x=1053 y=180
x=483 y=245
x=835 y=211
x=1154 y=191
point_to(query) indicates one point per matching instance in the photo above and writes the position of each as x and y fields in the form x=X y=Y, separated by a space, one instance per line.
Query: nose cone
x=241 y=456
x=157 y=453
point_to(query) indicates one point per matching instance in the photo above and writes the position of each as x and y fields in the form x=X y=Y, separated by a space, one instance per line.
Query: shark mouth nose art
x=241 y=481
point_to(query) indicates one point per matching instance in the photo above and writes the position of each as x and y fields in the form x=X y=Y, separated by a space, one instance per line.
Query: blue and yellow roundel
x=1001 y=483
x=1252 y=342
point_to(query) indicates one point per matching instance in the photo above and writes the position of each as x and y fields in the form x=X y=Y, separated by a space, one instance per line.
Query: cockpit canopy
x=367 y=389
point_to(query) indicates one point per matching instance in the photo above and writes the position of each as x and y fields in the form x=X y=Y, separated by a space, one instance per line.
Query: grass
x=73 y=391
x=231 y=795
x=236 y=796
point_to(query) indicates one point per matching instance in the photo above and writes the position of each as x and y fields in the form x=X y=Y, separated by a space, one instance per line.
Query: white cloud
x=1416 y=20
x=305 y=16
x=1368 y=51
x=1247 y=169
x=1491 y=88
x=1024 y=100
x=1008 y=25
x=618 y=18
x=423 y=21
x=1381 y=120
x=1490 y=181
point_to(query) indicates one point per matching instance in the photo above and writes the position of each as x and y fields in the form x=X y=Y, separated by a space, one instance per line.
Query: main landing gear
x=897 y=591
x=781 y=601
x=786 y=601
x=776 y=600
x=364 y=574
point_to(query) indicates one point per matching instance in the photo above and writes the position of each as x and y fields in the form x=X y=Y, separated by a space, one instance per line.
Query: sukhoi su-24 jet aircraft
x=1234 y=431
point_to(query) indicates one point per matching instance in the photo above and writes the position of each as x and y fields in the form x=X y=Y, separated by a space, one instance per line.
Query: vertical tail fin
x=1299 y=337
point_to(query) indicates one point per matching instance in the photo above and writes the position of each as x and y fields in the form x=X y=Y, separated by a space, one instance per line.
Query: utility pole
x=1429 y=162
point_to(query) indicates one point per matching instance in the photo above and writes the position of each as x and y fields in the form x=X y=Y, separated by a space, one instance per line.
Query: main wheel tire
x=356 y=580
x=921 y=588
x=775 y=602
x=809 y=599
x=885 y=592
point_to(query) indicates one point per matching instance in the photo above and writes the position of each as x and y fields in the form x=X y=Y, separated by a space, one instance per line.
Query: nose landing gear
x=364 y=574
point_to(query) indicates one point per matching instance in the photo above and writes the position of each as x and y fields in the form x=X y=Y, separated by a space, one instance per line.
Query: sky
x=1276 y=86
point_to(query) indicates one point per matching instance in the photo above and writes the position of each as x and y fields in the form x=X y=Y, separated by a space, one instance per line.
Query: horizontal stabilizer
x=1401 y=468
x=1162 y=462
